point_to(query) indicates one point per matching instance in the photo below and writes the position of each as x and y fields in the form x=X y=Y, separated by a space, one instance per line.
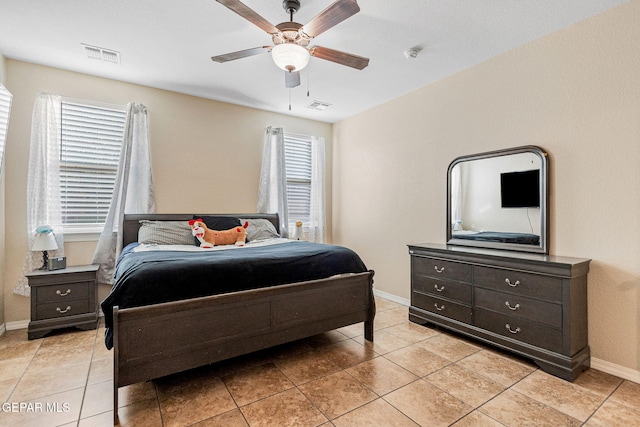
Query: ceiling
x=168 y=44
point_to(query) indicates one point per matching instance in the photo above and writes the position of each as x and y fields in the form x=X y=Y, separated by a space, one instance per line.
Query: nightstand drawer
x=441 y=269
x=62 y=309
x=62 y=292
x=63 y=298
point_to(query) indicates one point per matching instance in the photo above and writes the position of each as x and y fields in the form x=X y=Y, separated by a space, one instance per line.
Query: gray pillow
x=259 y=229
x=165 y=233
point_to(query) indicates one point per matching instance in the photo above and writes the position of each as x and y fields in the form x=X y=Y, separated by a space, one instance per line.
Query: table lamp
x=44 y=241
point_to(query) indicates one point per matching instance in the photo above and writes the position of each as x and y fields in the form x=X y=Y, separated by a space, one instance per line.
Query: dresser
x=62 y=299
x=531 y=304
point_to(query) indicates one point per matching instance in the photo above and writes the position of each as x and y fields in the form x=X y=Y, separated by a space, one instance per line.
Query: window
x=297 y=154
x=91 y=138
x=5 y=108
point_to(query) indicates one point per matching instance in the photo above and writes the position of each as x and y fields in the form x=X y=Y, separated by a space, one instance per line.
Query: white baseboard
x=616 y=370
x=19 y=324
x=391 y=297
x=3 y=329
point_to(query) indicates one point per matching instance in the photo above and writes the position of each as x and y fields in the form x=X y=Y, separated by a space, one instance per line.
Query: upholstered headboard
x=132 y=222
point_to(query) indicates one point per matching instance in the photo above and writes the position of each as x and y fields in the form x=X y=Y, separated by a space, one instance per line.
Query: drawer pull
x=438 y=270
x=513 y=331
x=61 y=311
x=58 y=292
x=514 y=308
x=513 y=285
x=435 y=304
x=439 y=289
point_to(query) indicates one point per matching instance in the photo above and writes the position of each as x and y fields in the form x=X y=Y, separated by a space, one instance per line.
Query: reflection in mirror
x=499 y=200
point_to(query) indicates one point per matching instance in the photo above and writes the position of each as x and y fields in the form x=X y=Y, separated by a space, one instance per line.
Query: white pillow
x=260 y=229
x=165 y=233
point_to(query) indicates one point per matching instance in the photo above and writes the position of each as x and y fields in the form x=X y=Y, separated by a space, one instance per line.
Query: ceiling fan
x=291 y=38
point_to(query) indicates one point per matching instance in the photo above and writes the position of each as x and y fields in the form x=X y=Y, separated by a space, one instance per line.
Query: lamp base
x=45 y=260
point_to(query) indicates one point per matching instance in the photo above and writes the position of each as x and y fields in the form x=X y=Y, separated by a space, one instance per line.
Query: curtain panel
x=317 y=209
x=43 y=182
x=272 y=190
x=133 y=191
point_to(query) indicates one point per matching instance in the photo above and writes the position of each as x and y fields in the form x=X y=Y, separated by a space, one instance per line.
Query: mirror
x=500 y=200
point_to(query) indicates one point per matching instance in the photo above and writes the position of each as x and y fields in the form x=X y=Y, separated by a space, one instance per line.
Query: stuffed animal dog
x=209 y=238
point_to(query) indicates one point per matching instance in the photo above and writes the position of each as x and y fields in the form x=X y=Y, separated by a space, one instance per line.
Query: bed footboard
x=162 y=339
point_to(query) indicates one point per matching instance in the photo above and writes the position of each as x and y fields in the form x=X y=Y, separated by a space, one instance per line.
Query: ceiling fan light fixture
x=290 y=56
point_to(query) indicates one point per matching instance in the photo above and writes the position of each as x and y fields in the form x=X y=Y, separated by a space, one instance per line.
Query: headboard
x=132 y=222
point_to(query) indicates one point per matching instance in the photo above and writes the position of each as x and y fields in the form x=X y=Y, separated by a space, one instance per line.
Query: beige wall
x=206 y=155
x=576 y=93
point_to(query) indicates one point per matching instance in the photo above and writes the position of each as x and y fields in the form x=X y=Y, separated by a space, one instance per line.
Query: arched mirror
x=500 y=200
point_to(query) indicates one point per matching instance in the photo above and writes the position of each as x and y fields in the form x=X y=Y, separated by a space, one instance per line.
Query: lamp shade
x=290 y=56
x=44 y=242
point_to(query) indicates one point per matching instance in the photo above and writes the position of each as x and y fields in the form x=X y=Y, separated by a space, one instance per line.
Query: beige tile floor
x=411 y=375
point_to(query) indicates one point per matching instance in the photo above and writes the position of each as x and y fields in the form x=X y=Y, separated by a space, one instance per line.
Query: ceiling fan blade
x=331 y=16
x=241 y=54
x=249 y=14
x=291 y=79
x=343 y=58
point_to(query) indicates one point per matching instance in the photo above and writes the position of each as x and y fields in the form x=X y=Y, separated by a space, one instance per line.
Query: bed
x=156 y=337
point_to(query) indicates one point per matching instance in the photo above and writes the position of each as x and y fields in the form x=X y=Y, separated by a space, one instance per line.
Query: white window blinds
x=297 y=153
x=5 y=109
x=91 y=138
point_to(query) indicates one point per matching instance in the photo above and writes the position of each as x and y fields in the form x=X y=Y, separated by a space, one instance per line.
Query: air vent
x=102 y=54
x=319 y=105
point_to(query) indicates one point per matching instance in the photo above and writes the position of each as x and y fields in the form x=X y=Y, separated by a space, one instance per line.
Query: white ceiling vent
x=102 y=54
x=319 y=105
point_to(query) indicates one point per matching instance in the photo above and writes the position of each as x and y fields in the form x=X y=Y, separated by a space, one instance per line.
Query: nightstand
x=62 y=299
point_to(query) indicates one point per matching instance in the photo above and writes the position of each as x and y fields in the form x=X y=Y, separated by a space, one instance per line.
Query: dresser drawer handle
x=61 y=311
x=58 y=292
x=513 y=331
x=513 y=285
x=435 y=304
x=439 y=289
x=514 y=308
x=438 y=270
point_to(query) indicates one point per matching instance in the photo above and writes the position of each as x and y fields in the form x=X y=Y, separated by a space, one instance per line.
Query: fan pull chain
x=289 y=99
x=308 y=81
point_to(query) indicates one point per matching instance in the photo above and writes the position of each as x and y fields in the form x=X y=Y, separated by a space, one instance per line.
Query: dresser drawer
x=62 y=292
x=62 y=309
x=441 y=269
x=520 y=329
x=519 y=306
x=442 y=307
x=456 y=291
x=526 y=284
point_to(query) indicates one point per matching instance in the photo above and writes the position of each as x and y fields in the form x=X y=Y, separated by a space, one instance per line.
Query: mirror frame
x=543 y=247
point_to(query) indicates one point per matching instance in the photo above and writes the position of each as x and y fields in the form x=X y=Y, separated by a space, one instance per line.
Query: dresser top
x=503 y=258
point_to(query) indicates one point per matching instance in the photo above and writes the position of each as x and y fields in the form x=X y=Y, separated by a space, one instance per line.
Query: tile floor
x=410 y=376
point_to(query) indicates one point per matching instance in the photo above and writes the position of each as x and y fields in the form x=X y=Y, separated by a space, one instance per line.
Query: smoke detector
x=412 y=53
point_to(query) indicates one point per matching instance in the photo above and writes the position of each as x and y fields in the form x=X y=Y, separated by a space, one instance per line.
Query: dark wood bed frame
x=162 y=339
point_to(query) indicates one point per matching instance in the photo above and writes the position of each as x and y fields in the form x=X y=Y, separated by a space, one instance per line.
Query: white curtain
x=317 y=217
x=272 y=191
x=43 y=182
x=133 y=191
